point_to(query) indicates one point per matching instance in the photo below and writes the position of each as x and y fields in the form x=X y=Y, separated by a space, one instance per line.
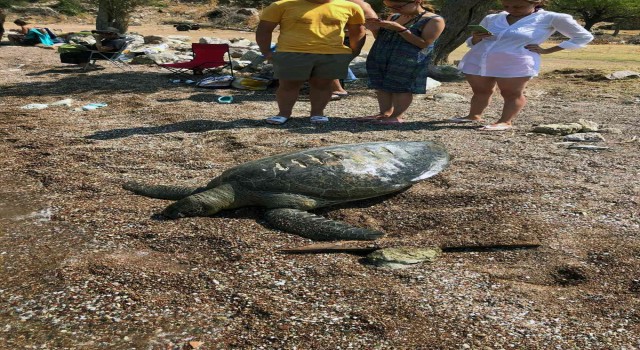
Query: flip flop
x=276 y=120
x=319 y=119
x=495 y=127
x=463 y=120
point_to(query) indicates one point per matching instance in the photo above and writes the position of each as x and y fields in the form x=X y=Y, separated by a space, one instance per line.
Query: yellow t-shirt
x=313 y=28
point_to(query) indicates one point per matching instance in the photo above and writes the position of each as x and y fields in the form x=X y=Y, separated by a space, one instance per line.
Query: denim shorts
x=302 y=66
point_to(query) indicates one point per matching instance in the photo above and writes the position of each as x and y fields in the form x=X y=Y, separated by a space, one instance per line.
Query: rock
x=558 y=129
x=251 y=55
x=248 y=11
x=158 y=58
x=36 y=11
x=135 y=23
x=403 y=257
x=432 y=84
x=241 y=43
x=445 y=73
x=155 y=39
x=610 y=131
x=449 y=97
x=209 y=40
x=239 y=64
x=181 y=38
x=584 y=137
x=236 y=53
x=623 y=74
x=588 y=147
x=359 y=66
x=588 y=126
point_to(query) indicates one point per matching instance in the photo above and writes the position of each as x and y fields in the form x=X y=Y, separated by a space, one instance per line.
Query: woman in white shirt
x=509 y=56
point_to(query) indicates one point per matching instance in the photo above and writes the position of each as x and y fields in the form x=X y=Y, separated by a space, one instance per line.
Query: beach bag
x=65 y=48
x=251 y=83
x=215 y=82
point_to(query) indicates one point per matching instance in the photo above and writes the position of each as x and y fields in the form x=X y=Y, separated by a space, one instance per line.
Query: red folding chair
x=205 y=57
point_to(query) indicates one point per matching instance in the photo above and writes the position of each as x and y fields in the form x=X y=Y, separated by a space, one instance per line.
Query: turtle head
x=201 y=204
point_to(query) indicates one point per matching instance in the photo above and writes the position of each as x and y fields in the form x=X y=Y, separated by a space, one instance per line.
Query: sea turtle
x=290 y=184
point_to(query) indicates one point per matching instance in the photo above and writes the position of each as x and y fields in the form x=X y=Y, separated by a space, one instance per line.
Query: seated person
x=108 y=42
x=29 y=36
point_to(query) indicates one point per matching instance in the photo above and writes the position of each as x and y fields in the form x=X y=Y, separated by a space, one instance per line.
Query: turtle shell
x=340 y=173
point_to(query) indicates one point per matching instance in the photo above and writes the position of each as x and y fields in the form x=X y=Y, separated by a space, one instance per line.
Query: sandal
x=495 y=127
x=276 y=120
x=319 y=119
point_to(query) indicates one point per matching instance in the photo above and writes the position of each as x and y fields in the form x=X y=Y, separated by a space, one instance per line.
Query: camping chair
x=114 y=58
x=205 y=57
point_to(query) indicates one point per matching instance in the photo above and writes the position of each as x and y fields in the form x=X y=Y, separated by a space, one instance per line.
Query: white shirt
x=503 y=55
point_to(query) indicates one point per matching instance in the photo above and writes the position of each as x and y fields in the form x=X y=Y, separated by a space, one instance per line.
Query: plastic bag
x=215 y=82
x=251 y=83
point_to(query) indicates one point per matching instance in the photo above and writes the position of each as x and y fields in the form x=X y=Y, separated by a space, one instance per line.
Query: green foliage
x=595 y=11
x=69 y=7
x=5 y=4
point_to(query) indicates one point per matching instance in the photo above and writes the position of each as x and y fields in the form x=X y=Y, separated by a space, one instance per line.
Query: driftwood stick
x=353 y=247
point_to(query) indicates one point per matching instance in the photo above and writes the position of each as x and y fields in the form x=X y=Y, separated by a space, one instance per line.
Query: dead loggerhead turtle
x=292 y=183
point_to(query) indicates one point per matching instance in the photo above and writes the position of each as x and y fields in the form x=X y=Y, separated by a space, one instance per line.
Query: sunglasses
x=398 y=7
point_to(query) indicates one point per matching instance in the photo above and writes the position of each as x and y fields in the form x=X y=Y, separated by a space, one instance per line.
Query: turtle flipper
x=161 y=191
x=316 y=227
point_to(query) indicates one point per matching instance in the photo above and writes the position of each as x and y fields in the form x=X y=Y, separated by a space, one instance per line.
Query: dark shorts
x=302 y=66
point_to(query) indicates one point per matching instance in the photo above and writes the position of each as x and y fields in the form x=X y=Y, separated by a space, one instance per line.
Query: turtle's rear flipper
x=160 y=191
x=316 y=227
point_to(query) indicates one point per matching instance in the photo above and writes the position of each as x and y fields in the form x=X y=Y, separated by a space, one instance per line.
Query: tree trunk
x=113 y=14
x=616 y=29
x=589 y=22
x=102 y=19
x=458 y=14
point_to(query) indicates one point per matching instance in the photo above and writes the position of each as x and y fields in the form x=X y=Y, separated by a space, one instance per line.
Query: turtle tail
x=161 y=191
x=316 y=227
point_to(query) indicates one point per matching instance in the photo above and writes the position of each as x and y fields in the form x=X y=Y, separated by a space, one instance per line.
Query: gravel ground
x=86 y=264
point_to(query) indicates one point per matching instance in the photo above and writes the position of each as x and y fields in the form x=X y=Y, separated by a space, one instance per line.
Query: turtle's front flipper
x=203 y=203
x=316 y=227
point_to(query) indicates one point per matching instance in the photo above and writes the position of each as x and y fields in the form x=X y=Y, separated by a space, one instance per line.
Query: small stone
x=558 y=129
x=588 y=126
x=402 y=257
x=623 y=74
x=449 y=97
x=610 y=131
x=584 y=137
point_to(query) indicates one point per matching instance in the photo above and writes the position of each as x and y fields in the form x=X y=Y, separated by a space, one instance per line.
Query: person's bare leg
x=319 y=94
x=400 y=102
x=385 y=103
x=483 y=88
x=512 y=90
x=287 y=95
x=337 y=88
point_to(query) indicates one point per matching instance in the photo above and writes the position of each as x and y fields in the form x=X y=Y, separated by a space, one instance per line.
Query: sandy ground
x=88 y=265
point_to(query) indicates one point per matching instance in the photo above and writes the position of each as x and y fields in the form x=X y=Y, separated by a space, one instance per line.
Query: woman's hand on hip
x=537 y=49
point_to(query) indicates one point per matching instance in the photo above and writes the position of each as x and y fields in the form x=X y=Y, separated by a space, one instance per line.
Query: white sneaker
x=319 y=119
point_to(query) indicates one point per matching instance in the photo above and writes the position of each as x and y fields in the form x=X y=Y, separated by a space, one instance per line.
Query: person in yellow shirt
x=310 y=48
